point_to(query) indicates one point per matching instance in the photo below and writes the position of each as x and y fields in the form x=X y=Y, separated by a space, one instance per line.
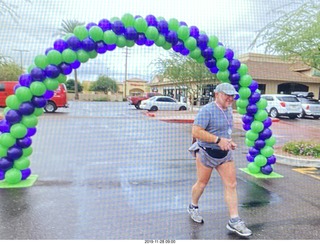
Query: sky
x=234 y=22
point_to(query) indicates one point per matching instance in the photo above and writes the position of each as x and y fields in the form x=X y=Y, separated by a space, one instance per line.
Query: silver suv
x=283 y=105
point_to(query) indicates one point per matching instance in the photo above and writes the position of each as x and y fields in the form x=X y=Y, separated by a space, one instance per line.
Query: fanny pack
x=215 y=153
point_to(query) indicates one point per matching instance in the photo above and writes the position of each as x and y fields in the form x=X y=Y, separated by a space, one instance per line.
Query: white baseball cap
x=226 y=88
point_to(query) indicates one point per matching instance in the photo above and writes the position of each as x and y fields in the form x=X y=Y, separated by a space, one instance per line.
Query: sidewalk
x=188 y=117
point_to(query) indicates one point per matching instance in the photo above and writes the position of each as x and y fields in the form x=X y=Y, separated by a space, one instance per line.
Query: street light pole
x=21 y=51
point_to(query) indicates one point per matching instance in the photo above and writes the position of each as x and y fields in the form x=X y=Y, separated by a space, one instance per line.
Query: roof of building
x=270 y=67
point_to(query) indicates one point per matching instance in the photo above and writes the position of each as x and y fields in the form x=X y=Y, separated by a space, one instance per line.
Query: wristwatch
x=218 y=140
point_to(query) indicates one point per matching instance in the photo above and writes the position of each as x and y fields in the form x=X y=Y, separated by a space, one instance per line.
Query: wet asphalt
x=108 y=172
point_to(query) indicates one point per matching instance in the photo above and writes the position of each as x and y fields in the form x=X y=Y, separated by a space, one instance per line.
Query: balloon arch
x=43 y=77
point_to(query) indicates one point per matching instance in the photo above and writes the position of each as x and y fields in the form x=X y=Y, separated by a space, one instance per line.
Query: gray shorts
x=206 y=159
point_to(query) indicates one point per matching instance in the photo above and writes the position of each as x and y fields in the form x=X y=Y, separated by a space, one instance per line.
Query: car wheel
x=316 y=117
x=300 y=116
x=50 y=107
x=138 y=105
x=182 y=108
x=274 y=113
x=154 y=108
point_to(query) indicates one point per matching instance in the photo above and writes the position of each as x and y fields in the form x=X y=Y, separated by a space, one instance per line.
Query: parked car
x=283 y=105
x=310 y=107
x=162 y=103
x=136 y=100
x=58 y=100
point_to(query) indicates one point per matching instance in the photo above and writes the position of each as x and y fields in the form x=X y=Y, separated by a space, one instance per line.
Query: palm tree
x=67 y=27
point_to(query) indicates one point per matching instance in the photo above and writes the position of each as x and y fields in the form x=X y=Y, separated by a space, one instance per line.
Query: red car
x=57 y=101
x=136 y=100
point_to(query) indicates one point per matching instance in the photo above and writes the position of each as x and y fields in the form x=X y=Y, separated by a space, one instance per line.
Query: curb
x=187 y=121
x=298 y=162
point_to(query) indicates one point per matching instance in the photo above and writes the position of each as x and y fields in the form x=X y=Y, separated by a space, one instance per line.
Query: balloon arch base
x=261 y=175
x=22 y=184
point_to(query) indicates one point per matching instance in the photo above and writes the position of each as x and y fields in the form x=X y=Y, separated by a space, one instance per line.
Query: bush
x=303 y=148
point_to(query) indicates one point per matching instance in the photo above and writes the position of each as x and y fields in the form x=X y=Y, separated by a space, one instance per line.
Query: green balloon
x=18 y=130
x=69 y=56
x=249 y=143
x=113 y=19
x=92 y=54
x=242 y=103
x=167 y=46
x=200 y=60
x=261 y=115
x=140 y=24
x=271 y=141
x=81 y=32
x=54 y=57
x=253 y=168
x=13 y=176
x=13 y=102
x=196 y=53
x=173 y=24
x=213 y=42
x=7 y=140
x=244 y=92
x=241 y=110
x=222 y=64
x=38 y=111
x=121 y=41
x=62 y=78
x=243 y=70
x=260 y=160
x=26 y=152
x=183 y=32
x=3 y=151
x=30 y=121
x=82 y=56
x=110 y=37
x=37 y=88
x=51 y=84
x=245 y=80
x=219 y=52
x=21 y=163
x=130 y=43
x=267 y=151
x=152 y=33
x=160 y=41
x=6 y=109
x=257 y=126
x=251 y=135
x=41 y=61
x=96 y=33
x=127 y=20
x=190 y=43
x=24 y=94
x=223 y=75
x=262 y=103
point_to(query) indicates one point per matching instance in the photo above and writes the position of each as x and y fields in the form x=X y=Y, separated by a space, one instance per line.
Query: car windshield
x=308 y=101
x=288 y=99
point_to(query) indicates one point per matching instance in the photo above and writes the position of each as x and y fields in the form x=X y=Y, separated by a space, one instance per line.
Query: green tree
x=10 y=71
x=70 y=85
x=183 y=71
x=105 y=84
x=294 y=35
x=67 y=27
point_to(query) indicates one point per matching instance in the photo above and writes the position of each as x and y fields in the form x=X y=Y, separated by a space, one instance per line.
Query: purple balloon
x=141 y=40
x=253 y=86
x=105 y=25
x=65 y=68
x=194 y=31
x=250 y=158
x=74 y=43
x=52 y=71
x=246 y=127
x=25 y=80
x=267 y=122
x=265 y=134
x=48 y=94
x=207 y=53
x=184 y=51
x=5 y=163
x=111 y=47
x=182 y=23
x=151 y=20
x=252 y=109
x=24 y=142
x=39 y=102
x=31 y=131
x=234 y=65
x=247 y=119
x=89 y=25
x=13 y=116
x=4 y=126
x=149 y=43
x=254 y=98
x=131 y=33
x=259 y=144
x=2 y=174
x=25 y=173
x=101 y=47
x=178 y=47
x=26 y=108
x=214 y=70
x=234 y=78
x=88 y=44
x=253 y=151
x=37 y=74
x=172 y=37
x=266 y=169
x=48 y=50
x=229 y=54
x=202 y=41
x=163 y=27
x=75 y=64
x=210 y=63
x=14 y=152
x=118 y=27
x=60 y=45
x=271 y=160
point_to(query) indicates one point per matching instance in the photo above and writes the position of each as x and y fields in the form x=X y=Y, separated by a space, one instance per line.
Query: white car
x=162 y=103
x=283 y=105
